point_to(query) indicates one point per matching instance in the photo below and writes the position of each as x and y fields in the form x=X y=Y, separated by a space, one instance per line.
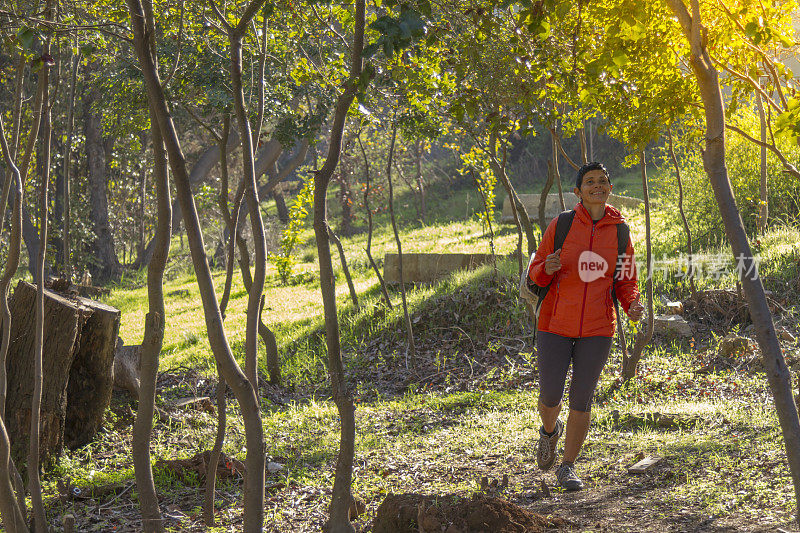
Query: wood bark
x=778 y=374
x=242 y=388
x=339 y=520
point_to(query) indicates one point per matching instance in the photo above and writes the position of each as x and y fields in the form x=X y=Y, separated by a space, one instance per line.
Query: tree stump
x=75 y=354
x=91 y=378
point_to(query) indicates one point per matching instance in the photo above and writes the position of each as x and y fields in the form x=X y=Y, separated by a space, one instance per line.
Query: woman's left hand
x=635 y=311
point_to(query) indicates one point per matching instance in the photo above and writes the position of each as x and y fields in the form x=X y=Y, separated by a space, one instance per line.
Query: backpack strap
x=623 y=237
x=563 y=226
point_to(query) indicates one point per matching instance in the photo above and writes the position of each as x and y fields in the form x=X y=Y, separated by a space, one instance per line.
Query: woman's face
x=594 y=189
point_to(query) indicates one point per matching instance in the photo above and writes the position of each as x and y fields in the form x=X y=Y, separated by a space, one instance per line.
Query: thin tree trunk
x=591 y=141
x=556 y=172
x=12 y=513
x=219 y=440
x=367 y=174
x=521 y=216
x=280 y=206
x=143 y=195
x=339 y=520
x=154 y=326
x=34 y=483
x=67 y=225
x=487 y=208
x=543 y=197
x=420 y=182
x=411 y=348
x=335 y=239
x=584 y=150
x=689 y=251
x=777 y=372
x=629 y=365
x=763 y=207
x=242 y=388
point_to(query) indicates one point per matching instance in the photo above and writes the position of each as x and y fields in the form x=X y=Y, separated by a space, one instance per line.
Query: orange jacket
x=579 y=302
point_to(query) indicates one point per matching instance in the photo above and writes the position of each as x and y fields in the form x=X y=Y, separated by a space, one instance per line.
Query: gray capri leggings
x=554 y=354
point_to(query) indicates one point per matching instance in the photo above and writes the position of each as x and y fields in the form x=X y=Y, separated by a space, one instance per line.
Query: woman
x=577 y=318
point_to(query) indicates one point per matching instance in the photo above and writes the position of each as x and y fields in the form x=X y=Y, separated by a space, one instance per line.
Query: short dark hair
x=594 y=165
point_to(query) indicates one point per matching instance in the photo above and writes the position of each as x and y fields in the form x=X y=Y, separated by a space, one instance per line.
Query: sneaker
x=546 y=451
x=567 y=477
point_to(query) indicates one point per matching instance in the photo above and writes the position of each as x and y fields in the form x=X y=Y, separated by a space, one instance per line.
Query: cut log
x=63 y=322
x=91 y=378
x=127 y=363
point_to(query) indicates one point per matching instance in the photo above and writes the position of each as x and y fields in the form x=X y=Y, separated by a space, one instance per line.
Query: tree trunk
x=66 y=242
x=107 y=265
x=763 y=207
x=12 y=509
x=339 y=520
x=280 y=205
x=689 y=250
x=630 y=364
x=777 y=372
x=517 y=207
x=242 y=388
x=584 y=149
x=543 y=197
x=411 y=348
x=372 y=263
x=154 y=325
x=556 y=171
x=346 y=270
x=219 y=440
x=34 y=483
x=418 y=176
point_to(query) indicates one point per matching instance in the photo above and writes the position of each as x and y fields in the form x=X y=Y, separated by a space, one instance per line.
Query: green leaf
x=619 y=58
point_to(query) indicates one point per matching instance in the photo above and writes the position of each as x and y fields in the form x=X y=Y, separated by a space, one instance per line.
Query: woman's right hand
x=552 y=263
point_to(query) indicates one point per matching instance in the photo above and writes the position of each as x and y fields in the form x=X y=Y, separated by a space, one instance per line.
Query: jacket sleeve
x=536 y=271
x=627 y=285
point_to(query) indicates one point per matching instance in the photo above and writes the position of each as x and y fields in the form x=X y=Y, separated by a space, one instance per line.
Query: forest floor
x=465 y=420
x=467 y=424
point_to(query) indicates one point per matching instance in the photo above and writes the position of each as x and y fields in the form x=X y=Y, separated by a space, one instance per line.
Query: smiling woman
x=577 y=319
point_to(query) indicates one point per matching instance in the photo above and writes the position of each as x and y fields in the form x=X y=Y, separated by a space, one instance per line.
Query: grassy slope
x=448 y=430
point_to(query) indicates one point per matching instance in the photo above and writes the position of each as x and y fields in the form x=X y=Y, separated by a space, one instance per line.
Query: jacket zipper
x=585 y=287
x=555 y=304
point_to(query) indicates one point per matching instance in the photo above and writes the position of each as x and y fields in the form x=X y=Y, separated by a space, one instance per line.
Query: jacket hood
x=612 y=215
